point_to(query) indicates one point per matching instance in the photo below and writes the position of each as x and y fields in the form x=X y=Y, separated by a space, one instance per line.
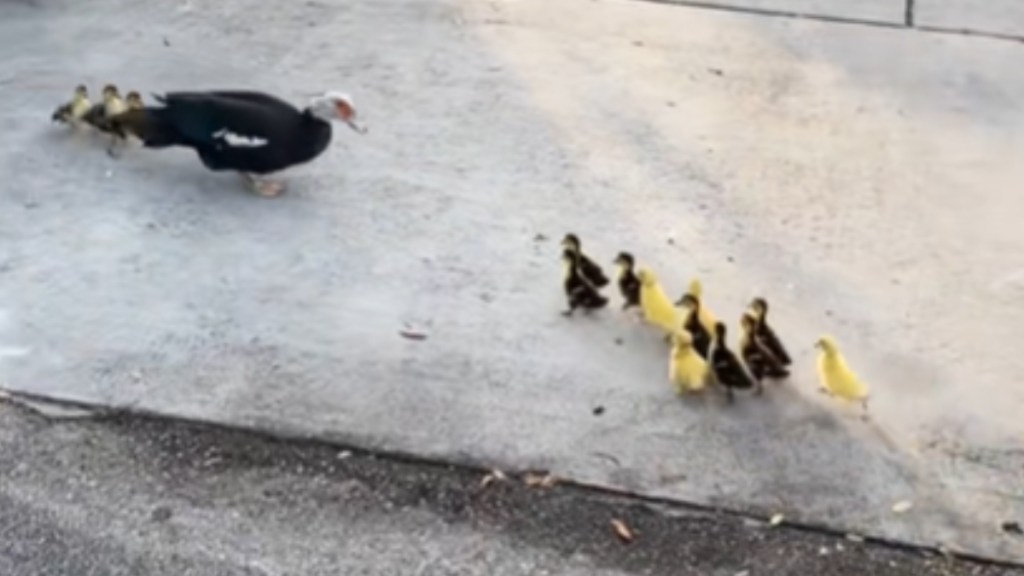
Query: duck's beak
x=356 y=126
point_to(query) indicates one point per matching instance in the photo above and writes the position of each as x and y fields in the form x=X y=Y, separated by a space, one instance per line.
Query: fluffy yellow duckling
x=112 y=125
x=111 y=106
x=73 y=111
x=687 y=371
x=836 y=377
x=696 y=290
x=656 y=305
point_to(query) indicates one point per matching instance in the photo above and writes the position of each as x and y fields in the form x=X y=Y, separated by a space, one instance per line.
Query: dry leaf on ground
x=491 y=477
x=622 y=531
x=539 y=481
x=902 y=506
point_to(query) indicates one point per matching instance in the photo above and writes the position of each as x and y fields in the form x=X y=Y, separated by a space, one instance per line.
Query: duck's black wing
x=729 y=371
x=761 y=361
x=701 y=337
x=629 y=287
x=592 y=272
x=772 y=342
x=244 y=131
x=202 y=116
x=258 y=98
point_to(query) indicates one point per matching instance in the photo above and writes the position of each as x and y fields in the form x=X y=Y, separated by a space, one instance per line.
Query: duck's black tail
x=149 y=124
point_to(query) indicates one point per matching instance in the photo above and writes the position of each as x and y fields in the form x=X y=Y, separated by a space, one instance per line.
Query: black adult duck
x=248 y=132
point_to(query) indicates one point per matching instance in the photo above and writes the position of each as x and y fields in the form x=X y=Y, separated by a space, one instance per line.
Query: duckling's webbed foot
x=114 y=148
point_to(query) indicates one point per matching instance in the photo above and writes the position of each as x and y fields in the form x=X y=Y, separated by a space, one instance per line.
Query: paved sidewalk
x=864 y=179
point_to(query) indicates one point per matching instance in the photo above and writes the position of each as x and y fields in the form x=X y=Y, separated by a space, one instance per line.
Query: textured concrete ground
x=137 y=496
x=865 y=180
x=888 y=11
x=996 y=16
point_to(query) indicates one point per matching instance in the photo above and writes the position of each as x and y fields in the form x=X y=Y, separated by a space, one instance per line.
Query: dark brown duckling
x=757 y=356
x=726 y=366
x=629 y=283
x=693 y=325
x=759 y=307
x=578 y=291
x=590 y=271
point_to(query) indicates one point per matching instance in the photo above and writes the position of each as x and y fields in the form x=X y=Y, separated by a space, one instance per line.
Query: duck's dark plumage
x=236 y=130
x=589 y=269
x=766 y=334
x=761 y=361
x=629 y=283
x=592 y=272
x=726 y=367
x=579 y=292
x=693 y=325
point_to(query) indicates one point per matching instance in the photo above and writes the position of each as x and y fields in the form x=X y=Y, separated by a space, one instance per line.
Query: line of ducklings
x=699 y=353
x=80 y=113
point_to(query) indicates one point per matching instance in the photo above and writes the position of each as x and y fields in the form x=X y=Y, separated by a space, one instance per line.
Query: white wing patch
x=238 y=140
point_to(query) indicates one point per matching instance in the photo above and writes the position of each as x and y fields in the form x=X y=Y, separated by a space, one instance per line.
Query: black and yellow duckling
x=120 y=131
x=629 y=282
x=727 y=369
x=578 y=291
x=762 y=363
x=590 y=271
x=693 y=325
x=73 y=111
x=111 y=105
x=759 y=308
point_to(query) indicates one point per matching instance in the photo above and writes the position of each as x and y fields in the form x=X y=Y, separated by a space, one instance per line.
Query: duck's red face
x=332 y=106
x=346 y=112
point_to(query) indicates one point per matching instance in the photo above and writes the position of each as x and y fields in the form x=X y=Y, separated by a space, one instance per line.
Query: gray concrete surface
x=889 y=11
x=997 y=16
x=139 y=496
x=864 y=180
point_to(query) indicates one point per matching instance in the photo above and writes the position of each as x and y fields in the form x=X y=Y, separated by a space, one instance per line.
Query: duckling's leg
x=115 y=147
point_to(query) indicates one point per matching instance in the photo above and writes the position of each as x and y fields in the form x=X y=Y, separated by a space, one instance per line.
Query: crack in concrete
x=101 y=412
x=908 y=19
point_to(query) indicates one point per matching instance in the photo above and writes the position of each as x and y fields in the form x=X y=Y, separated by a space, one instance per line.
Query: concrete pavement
x=128 y=496
x=863 y=179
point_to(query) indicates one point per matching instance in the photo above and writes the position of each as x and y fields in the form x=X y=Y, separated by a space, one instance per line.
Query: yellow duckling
x=656 y=305
x=707 y=319
x=111 y=106
x=836 y=377
x=111 y=124
x=687 y=371
x=73 y=111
